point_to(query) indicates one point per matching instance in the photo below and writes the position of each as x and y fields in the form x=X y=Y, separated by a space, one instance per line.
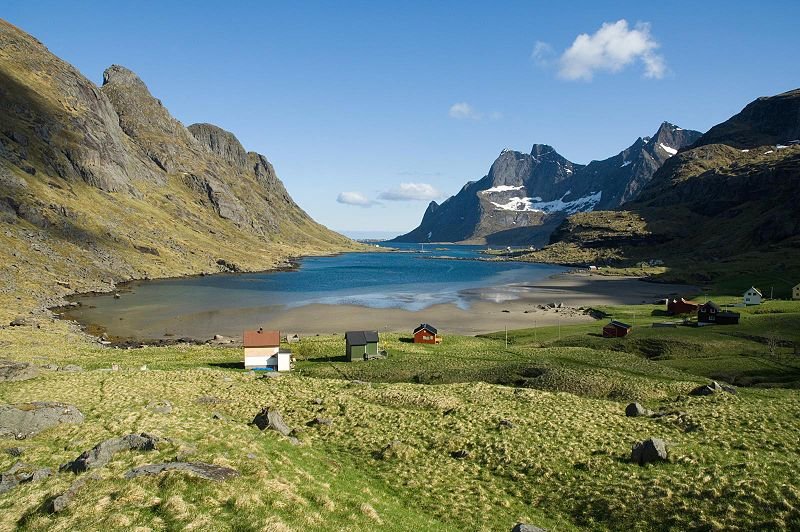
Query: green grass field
x=415 y=441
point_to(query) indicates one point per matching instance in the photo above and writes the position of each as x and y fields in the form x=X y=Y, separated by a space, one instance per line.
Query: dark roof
x=427 y=327
x=262 y=338
x=619 y=324
x=713 y=305
x=361 y=337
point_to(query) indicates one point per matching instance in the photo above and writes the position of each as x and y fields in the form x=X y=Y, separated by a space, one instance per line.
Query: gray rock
x=207 y=471
x=707 y=389
x=160 y=406
x=647 y=451
x=28 y=419
x=270 y=418
x=16 y=371
x=21 y=473
x=103 y=452
x=637 y=410
x=61 y=502
x=525 y=527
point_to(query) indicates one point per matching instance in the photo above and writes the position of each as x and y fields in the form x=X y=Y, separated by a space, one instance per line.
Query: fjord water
x=407 y=280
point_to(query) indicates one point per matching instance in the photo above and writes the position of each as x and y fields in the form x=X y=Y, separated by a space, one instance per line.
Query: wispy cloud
x=411 y=192
x=542 y=53
x=355 y=198
x=612 y=48
x=465 y=111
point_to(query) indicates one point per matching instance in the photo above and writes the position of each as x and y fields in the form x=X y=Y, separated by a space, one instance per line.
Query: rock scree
x=23 y=420
x=207 y=471
x=103 y=452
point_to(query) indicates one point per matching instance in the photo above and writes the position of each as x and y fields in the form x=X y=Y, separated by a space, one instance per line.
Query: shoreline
x=515 y=306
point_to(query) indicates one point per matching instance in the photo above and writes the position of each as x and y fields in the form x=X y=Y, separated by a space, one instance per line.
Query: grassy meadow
x=472 y=434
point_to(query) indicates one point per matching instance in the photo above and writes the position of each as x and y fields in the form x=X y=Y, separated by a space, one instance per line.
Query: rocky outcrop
x=200 y=469
x=28 y=419
x=17 y=371
x=103 y=452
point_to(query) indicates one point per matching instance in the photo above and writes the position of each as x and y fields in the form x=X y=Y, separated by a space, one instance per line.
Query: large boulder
x=16 y=371
x=637 y=410
x=207 y=471
x=101 y=454
x=652 y=450
x=28 y=419
x=270 y=418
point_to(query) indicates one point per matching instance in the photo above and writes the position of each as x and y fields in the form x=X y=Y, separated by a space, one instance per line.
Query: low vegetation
x=471 y=434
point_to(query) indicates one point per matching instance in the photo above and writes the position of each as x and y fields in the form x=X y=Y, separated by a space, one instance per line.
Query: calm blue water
x=411 y=281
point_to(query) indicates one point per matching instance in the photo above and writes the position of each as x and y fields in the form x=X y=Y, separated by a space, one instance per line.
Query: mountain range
x=525 y=196
x=102 y=184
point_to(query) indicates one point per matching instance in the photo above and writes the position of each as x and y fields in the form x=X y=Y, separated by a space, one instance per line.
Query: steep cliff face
x=99 y=185
x=526 y=195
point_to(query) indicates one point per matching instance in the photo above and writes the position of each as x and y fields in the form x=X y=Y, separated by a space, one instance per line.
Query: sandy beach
x=492 y=309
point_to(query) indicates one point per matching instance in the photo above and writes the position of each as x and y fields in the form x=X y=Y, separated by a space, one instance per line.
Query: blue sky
x=390 y=101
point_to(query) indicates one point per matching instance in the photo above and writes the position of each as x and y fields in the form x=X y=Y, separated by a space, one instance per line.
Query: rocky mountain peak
x=221 y=142
x=120 y=74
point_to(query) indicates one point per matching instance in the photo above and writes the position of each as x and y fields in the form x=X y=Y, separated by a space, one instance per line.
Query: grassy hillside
x=534 y=431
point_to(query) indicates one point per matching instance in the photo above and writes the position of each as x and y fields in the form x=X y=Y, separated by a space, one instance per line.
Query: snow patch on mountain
x=500 y=188
x=671 y=151
x=586 y=203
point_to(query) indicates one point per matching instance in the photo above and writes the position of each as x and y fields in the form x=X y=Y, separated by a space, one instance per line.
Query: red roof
x=262 y=338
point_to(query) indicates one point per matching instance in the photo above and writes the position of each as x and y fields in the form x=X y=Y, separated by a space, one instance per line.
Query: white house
x=262 y=350
x=752 y=296
x=796 y=291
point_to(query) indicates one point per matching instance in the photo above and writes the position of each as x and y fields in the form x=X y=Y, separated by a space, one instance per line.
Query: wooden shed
x=616 y=329
x=426 y=334
x=361 y=345
x=677 y=306
x=262 y=350
x=712 y=313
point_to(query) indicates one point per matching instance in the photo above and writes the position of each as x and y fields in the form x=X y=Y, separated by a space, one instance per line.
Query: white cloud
x=542 y=53
x=411 y=192
x=355 y=198
x=463 y=110
x=611 y=48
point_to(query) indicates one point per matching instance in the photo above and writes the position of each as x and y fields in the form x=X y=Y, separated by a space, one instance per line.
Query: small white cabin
x=752 y=296
x=796 y=291
x=262 y=350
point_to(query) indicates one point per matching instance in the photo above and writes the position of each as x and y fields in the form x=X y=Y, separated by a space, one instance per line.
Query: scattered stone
x=647 y=451
x=637 y=410
x=28 y=419
x=20 y=473
x=460 y=454
x=16 y=371
x=101 y=454
x=525 y=527
x=270 y=418
x=207 y=471
x=706 y=389
x=505 y=424
x=21 y=321
x=60 y=503
x=72 y=368
x=320 y=421
x=160 y=406
x=16 y=452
